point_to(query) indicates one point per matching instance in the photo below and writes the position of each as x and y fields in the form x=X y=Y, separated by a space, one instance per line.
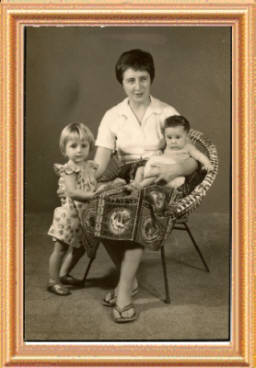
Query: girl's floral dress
x=66 y=224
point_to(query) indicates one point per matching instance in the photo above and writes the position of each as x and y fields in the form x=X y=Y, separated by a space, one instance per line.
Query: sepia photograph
x=127 y=210
x=127 y=134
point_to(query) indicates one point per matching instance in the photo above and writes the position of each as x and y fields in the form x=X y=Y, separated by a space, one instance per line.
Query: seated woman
x=133 y=128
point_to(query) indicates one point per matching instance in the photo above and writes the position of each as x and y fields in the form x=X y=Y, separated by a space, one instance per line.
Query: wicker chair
x=190 y=202
x=194 y=191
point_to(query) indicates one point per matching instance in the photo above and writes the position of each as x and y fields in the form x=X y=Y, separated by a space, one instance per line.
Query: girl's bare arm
x=73 y=192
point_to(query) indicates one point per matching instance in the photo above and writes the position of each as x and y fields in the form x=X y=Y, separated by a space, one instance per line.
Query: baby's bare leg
x=137 y=179
x=177 y=182
x=139 y=175
x=146 y=182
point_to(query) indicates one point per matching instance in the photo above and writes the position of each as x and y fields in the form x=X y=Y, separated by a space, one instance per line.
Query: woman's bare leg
x=129 y=267
x=117 y=253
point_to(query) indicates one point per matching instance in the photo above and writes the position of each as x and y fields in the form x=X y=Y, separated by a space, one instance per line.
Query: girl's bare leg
x=55 y=261
x=71 y=259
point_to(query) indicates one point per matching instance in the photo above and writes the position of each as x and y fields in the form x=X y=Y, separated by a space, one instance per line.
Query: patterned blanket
x=143 y=216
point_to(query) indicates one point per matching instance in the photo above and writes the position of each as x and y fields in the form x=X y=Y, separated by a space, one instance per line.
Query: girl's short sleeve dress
x=66 y=224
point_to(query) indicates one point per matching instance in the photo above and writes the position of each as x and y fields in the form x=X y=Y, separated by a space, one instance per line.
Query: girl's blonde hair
x=75 y=128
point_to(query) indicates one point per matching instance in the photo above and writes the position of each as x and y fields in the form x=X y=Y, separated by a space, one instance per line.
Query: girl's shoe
x=120 y=317
x=110 y=298
x=58 y=289
x=70 y=280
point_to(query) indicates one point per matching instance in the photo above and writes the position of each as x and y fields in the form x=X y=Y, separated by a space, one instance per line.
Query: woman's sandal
x=122 y=318
x=70 y=280
x=110 y=298
x=58 y=289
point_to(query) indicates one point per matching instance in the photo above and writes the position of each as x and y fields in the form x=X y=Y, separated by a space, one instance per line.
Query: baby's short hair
x=75 y=128
x=177 y=120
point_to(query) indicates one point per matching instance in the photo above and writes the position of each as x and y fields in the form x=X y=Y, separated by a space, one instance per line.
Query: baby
x=178 y=148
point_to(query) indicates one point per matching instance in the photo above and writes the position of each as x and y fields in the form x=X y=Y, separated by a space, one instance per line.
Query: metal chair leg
x=88 y=269
x=90 y=263
x=196 y=247
x=166 y=284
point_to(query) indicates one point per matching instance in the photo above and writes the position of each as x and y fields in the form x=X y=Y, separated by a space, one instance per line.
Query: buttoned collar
x=153 y=108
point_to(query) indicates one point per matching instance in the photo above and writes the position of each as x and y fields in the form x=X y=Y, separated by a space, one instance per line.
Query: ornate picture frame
x=240 y=350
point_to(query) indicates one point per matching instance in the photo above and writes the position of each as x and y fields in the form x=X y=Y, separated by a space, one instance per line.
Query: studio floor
x=199 y=309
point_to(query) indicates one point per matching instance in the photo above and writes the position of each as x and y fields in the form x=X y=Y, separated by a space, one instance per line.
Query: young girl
x=77 y=183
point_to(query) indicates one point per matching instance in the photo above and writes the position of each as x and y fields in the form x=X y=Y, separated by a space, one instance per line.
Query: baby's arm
x=199 y=156
x=73 y=192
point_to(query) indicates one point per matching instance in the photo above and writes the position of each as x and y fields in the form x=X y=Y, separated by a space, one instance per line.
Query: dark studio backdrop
x=69 y=76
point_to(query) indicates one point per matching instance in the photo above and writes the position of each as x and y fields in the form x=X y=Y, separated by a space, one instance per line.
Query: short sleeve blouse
x=119 y=130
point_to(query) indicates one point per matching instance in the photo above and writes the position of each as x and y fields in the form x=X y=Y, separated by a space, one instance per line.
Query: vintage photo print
x=69 y=78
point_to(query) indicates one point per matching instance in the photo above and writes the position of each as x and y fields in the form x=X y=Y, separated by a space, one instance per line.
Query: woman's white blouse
x=120 y=130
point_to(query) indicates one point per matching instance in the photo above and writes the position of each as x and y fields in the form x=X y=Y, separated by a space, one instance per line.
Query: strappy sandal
x=121 y=318
x=70 y=280
x=58 y=289
x=110 y=298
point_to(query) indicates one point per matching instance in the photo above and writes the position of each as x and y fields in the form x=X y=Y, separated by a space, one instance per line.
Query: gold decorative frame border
x=241 y=16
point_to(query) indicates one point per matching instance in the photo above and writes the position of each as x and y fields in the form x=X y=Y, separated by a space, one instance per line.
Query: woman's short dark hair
x=177 y=120
x=136 y=59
